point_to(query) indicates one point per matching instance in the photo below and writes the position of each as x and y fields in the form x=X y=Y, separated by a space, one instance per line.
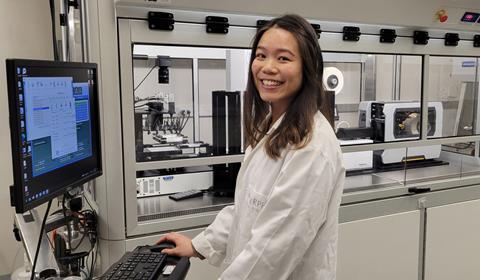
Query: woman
x=285 y=219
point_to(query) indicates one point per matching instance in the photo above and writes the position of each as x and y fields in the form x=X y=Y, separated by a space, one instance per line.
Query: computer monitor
x=54 y=128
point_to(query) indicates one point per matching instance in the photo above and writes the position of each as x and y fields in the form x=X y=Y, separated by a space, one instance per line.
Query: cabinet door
x=452 y=249
x=385 y=247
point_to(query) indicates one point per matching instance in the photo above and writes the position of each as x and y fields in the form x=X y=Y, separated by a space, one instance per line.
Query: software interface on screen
x=55 y=124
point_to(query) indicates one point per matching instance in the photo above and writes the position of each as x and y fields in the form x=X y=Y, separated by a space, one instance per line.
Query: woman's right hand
x=183 y=245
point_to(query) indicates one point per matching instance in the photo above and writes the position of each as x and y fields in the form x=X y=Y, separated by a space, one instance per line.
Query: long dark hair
x=297 y=124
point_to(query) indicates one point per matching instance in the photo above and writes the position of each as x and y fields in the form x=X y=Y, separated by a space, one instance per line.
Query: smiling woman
x=286 y=73
x=284 y=223
x=277 y=69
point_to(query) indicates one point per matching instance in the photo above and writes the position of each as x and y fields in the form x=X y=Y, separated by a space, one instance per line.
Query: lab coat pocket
x=255 y=200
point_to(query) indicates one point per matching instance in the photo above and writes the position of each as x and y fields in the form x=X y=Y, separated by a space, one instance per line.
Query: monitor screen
x=54 y=126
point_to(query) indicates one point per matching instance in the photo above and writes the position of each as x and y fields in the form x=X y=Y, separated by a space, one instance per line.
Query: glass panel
x=377 y=96
x=215 y=185
x=453 y=88
x=374 y=169
x=175 y=89
x=453 y=160
x=429 y=163
x=470 y=162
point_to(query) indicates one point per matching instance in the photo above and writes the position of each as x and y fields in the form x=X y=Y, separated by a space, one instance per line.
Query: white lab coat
x=284 y=223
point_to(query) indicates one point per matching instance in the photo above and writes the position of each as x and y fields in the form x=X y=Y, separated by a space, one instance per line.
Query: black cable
x=32 y=276
x=94 y=261
x=144 y=78
x=54 y=33
x=94 y=242
x=88 y=202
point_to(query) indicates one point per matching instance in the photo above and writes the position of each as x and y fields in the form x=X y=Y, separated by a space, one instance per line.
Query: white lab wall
x=410 y=77
x=445 y=83
x=212 y=77
x=25 y=33
x=384 y=79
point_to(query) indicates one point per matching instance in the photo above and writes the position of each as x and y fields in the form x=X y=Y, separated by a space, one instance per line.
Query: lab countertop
x=158 y=207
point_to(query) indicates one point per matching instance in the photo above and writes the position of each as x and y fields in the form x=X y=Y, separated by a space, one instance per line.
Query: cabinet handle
x=416 y=190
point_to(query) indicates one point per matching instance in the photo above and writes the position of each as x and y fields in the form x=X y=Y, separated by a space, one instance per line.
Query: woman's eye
x=259 y=55
x=284 y=58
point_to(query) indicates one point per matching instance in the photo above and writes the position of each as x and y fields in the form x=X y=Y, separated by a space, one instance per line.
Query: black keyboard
x=137 y=265
x=186 y=194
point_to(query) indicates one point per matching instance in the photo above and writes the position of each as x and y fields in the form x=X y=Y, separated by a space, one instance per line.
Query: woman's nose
x=269 y=66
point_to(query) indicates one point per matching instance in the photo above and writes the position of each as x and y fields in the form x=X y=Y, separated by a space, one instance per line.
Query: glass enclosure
x=378 y=97
x=182 y=104
x=188 y=101
x=454 y=82
x=188 y=104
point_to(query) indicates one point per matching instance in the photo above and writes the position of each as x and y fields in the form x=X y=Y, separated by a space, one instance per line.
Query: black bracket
x=451 y=39
x=317 y=29
x=217 y=24
x=63 y=19
x=73 y=3
x=388 y=35
x=261 y=22
x=420 y=37
x=417 y=190
x=160 y=21
x=351 y=33
x=476 y=41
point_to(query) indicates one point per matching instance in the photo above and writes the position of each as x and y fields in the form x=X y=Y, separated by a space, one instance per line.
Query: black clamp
x=451 y=39
x=73 y=3
x=63 y=19
x=317 y=29
x=351 y=33
x=388 y=35
x=160 y=21
x=217 y=25
x=417 y=190
x=261 y=22
x=420 y=37
x=476 y=41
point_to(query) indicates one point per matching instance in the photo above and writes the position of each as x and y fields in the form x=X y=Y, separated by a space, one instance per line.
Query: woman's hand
x=183 y=245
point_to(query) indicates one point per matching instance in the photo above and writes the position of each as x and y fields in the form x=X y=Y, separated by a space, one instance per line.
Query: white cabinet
x=452 y=249
x=385 y=247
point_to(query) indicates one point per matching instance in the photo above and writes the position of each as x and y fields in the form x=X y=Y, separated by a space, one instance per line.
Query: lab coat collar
x=260 y=144
x=275 y=124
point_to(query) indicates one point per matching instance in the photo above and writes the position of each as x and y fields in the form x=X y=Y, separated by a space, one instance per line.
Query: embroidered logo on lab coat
x=255 y=200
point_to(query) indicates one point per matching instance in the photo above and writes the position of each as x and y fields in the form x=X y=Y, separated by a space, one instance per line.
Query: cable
x=88 y=202
x=32 y=276
x=94 y=261
x=54 y=34
x=144 y=78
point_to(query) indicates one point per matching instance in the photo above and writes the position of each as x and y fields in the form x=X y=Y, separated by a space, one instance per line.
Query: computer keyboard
x=137 y=265
x=186 y=194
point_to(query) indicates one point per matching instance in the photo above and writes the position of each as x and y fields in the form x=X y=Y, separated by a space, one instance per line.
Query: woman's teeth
x=271 y=83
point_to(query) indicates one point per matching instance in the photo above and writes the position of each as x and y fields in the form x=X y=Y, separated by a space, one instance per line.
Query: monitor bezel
x=17 y=190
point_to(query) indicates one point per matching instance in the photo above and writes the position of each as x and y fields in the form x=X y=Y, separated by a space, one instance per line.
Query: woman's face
x=277 y=68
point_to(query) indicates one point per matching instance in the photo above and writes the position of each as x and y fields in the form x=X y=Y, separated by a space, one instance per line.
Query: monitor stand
x=29 y=225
